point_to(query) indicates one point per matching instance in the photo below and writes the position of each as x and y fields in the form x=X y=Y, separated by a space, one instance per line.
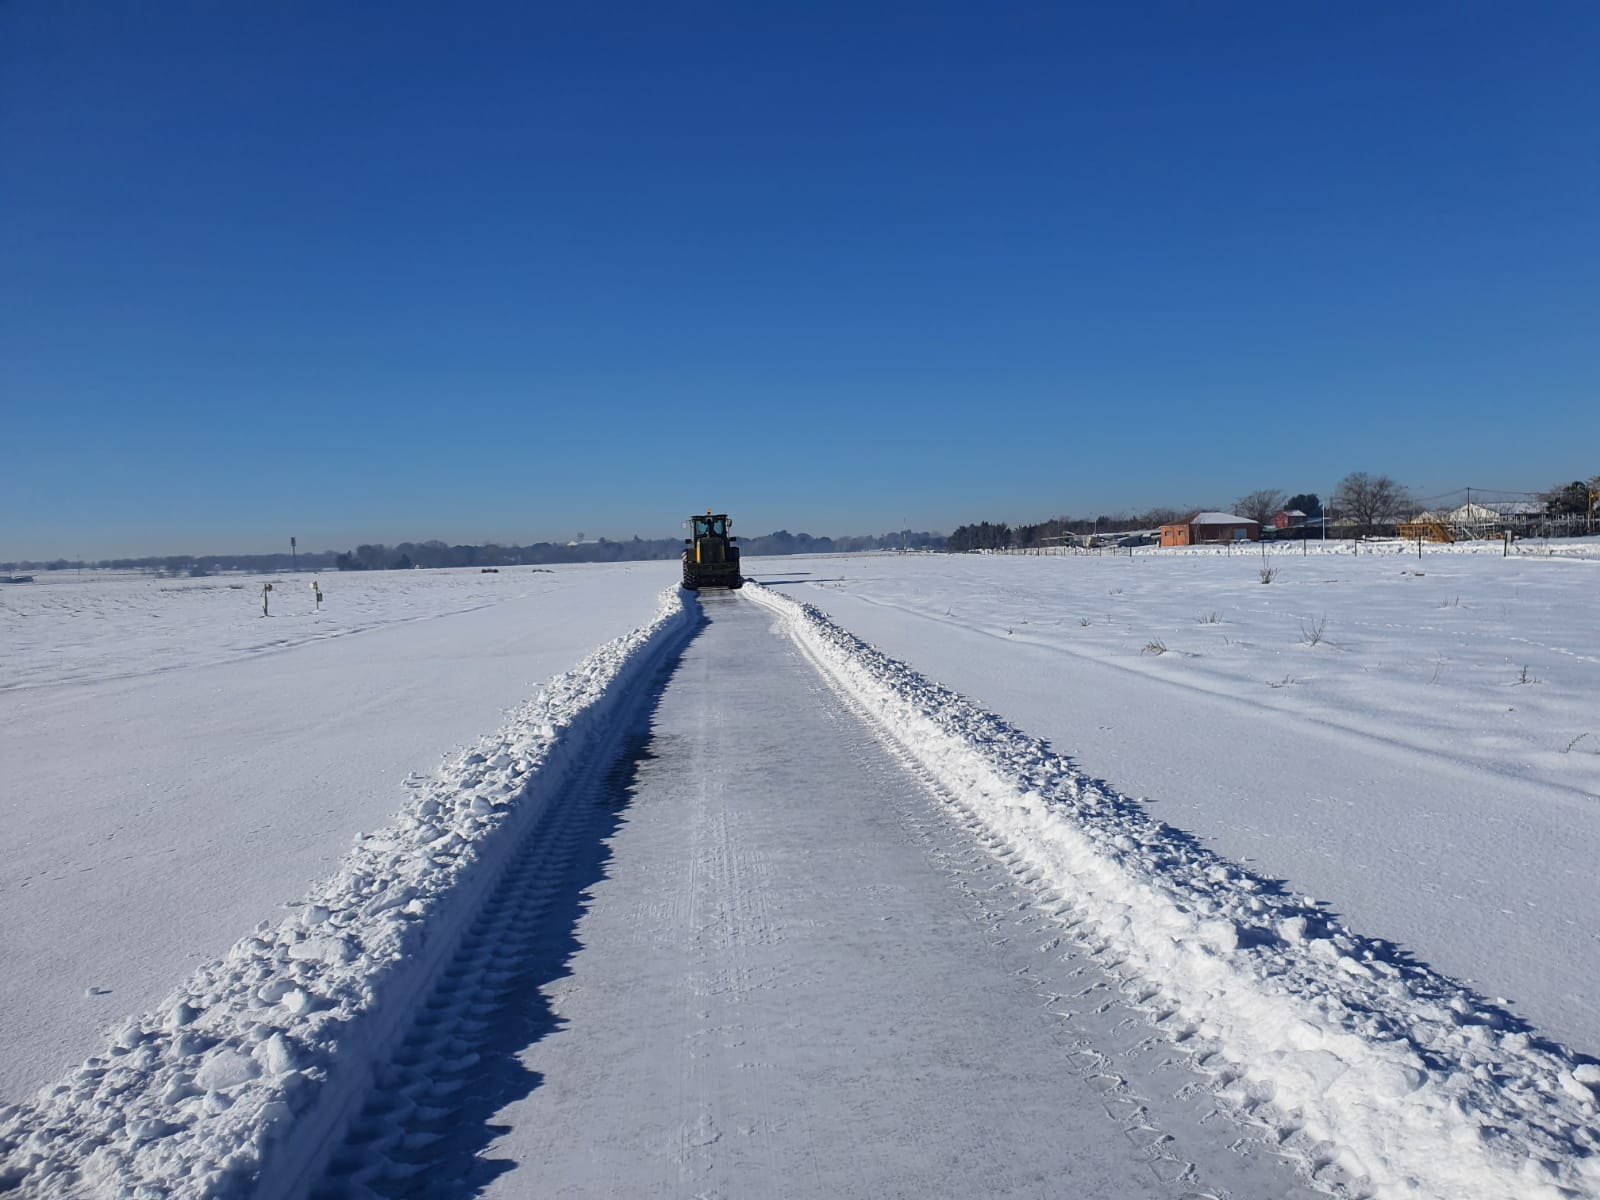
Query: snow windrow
x=1412 y=1083
x=241 y=1082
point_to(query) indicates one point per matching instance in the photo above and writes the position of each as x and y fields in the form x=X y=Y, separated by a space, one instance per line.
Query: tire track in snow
x=1102 y=1031
x=1117 y=1041
x=400 y=1142
x=245 y=1080
x=426 y=1128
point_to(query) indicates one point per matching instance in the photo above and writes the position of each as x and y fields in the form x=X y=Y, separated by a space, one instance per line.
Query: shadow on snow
x=461 y=1164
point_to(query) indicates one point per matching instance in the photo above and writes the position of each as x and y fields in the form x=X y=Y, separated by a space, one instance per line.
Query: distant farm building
x=1473 y=520
x=1427 y=527
x=1210 y=528
x=1496 y=515
x=1289 y=518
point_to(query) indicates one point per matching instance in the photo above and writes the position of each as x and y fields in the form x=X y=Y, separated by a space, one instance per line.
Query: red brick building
x=1210 y=528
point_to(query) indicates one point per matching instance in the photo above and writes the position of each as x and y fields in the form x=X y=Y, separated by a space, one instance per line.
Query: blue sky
x=361 y=272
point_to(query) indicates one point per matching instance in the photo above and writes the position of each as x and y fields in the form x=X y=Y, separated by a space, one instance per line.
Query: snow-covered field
x=1331 y=839
x=176 y=767
x=1414 y=743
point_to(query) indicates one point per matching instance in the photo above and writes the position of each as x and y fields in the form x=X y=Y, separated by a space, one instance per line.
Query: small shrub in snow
x=1311 y=631
x=1154 y=646
x=1527 y=678
x=1268 y=574
x=1213 y=618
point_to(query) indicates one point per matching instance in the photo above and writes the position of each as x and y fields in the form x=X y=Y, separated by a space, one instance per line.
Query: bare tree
x=1370 y=501
x=1259 y=506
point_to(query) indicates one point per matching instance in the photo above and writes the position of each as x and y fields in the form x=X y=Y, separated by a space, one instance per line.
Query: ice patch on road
x=1419 y=1088
x=242 y=1080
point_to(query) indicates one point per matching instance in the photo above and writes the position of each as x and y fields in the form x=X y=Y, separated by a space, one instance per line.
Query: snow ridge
x=242 y=1081
x=1417 y=1087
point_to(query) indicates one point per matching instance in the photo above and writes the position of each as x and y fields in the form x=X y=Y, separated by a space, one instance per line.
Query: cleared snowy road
x=739 y=905
x=797 y=974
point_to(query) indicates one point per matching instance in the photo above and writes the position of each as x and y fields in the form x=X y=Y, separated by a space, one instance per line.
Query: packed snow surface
x=1420 y=1029
x=795 y=969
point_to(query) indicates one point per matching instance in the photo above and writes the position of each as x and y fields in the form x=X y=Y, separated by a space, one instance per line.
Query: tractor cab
x=710 y=525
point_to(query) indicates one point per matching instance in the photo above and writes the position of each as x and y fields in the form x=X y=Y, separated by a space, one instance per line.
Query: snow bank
x=1415 y=1084
x=242 y=1080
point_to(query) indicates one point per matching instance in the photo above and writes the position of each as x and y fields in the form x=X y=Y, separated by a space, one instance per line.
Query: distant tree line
x=1362 y=504
x=991 y=535
x=784 y=542
x=1576 y=499
x=431 y=555
x=434 y=554
x=190 y=564
x=1372 y=502
x=438 y=554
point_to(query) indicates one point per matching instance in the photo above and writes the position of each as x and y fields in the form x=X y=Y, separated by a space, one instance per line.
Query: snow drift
x=241 y=1081
x=1414 y=1085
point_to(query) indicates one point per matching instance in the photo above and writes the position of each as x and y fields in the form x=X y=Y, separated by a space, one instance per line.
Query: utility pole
x=294 y=554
